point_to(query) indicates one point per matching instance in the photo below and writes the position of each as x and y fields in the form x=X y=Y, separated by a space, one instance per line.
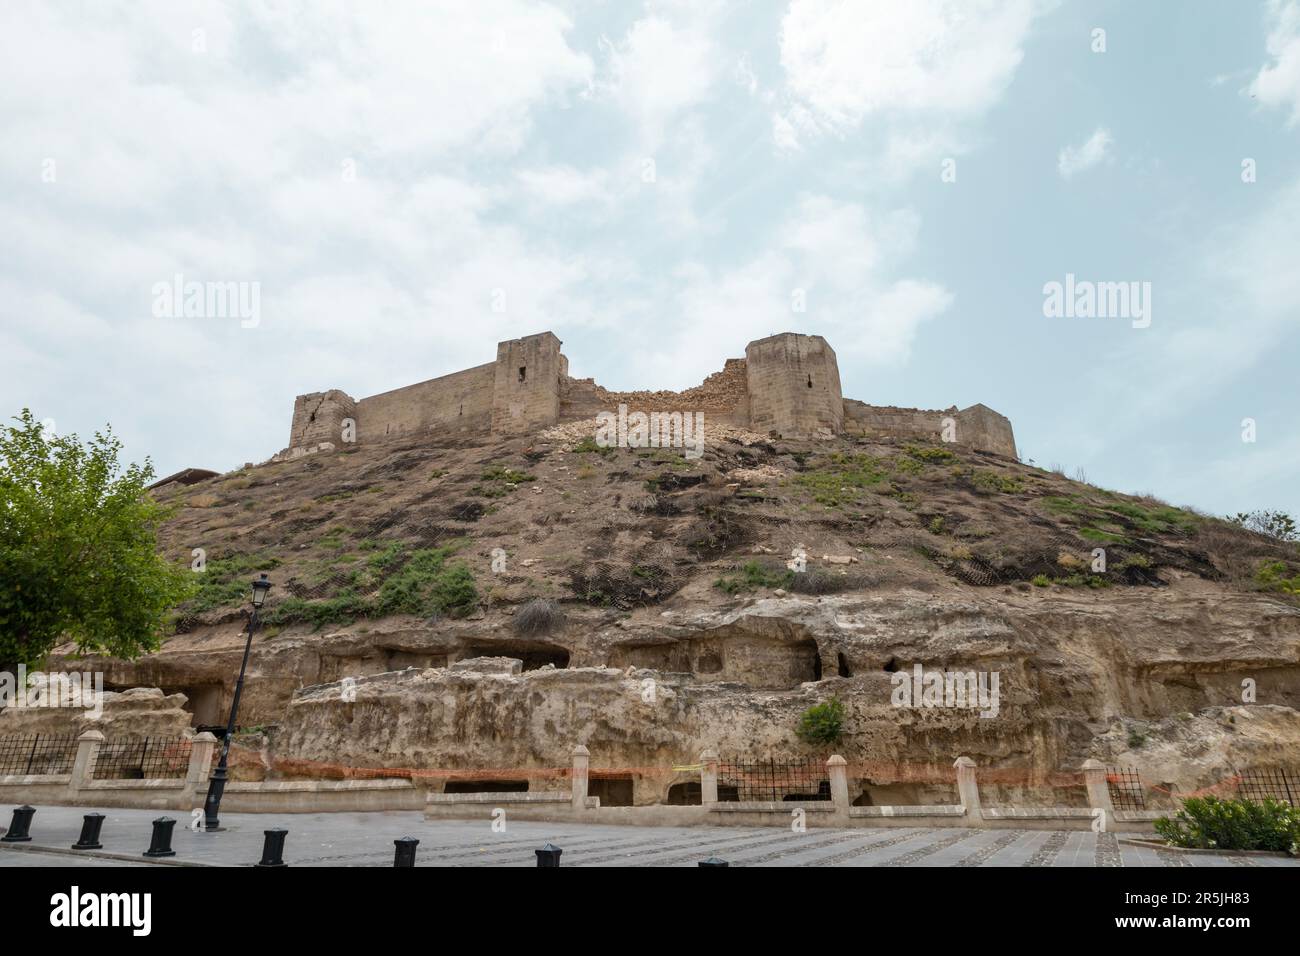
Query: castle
x=786 y=385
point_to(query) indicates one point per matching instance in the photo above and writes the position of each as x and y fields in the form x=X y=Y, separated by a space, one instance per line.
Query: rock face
x=138 y=712
x=1074 y=682
x=650 y=607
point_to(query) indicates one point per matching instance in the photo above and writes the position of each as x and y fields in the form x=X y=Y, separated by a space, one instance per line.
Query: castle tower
x=319 y=417
x=794 y=386
x=526 y=384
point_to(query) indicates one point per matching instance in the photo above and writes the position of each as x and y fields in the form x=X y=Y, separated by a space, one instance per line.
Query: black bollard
x=273 y=847
x=20 y=828
x=160 y=844
x=713 y=861
x=405 y=853
x=91 y=824
x=548 y=855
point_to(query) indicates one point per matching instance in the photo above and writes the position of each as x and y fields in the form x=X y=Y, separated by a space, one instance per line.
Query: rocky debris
x=509 y=666
x=137 y=712
x=758 y=475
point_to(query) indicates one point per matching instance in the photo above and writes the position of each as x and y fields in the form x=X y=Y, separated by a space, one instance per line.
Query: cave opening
x=614 y=790
x=535 y=656
x=844 y=666
x=687 y=794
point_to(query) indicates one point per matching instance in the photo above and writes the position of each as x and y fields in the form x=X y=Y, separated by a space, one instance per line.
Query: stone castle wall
x=786 y=385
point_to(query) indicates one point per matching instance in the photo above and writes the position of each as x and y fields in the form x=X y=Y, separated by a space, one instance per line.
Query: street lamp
x=217 y=785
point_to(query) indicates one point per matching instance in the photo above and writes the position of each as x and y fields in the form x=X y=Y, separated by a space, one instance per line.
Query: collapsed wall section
x=723 y=396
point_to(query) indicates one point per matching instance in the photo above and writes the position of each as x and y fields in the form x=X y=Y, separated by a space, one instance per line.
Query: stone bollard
x=968 y=790
x=404 y=854
x=709 y=777
x=160 y=844
x=91 y=824
x=548 y=855
x=1094 y=779
x=273 y=848
x=202 y=749
x=20 y=829
x=837 y=768
x=83 y=765
x=581 y=767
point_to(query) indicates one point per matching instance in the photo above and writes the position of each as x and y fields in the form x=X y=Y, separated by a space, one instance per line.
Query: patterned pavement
x=366 y=839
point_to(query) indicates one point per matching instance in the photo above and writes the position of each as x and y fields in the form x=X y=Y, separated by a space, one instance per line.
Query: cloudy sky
x=408 y=184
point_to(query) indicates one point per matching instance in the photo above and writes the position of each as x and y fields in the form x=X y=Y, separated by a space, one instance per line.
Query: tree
x=79 y=554
x=1273 y=524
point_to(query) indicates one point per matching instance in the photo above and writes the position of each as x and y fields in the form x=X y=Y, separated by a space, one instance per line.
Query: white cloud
x=1278 y=83
x=658 y=70
x=942 y=59
x=564 y=185
x=227 y=164
x=1073 y=160
x=841 y=260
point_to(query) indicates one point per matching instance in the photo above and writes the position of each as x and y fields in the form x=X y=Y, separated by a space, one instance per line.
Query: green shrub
x=343 y=607
x=1213 y=823
x=1097 y=536
x=509 y=476
x=753 y=575
x=822 y=723
x=1161 y=519
x=841 y=478
x=226 y=582
x=930 y=455
x=588 y=446
x=1271 y=576
x=427 y=584
x=991 y=481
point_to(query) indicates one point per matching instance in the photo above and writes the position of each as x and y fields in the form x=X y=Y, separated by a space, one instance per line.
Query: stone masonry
x=787 y=385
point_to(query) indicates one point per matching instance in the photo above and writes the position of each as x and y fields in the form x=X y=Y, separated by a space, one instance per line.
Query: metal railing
x=800 y=778
x=1126 y=790
x=37 y=753
x=143 y=758
x=1260 y=784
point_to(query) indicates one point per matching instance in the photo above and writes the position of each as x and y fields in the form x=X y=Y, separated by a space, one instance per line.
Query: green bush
x=841 y=478
x=426 y=584
x=753 y=575
x=822 y=723
x=588 y=446
x=990 y=481
x=933 y=455
x=1272 y=576
x=1212 y=823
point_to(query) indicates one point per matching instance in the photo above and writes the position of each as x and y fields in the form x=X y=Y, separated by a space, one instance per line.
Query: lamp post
x=217 y=785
